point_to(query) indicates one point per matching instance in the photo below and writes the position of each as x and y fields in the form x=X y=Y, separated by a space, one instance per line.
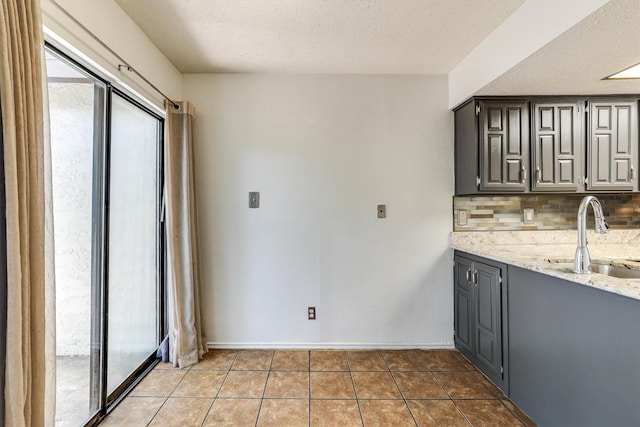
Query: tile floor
x=319 y=388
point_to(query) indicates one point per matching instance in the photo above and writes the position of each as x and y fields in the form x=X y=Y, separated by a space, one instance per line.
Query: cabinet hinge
x=500 y=279
x=502 y=369
x=478 y=181
x=586 y=109
x=477 y=110
x=586 y=180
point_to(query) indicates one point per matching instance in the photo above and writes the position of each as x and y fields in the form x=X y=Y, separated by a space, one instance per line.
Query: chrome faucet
x=583 y=260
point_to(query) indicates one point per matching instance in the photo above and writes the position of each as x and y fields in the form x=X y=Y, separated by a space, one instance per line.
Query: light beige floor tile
x=385 y=413
x=183 y=412
x=467 y=385
x=436 y=413
x=233 y=413
x=445 y=360
x=244 y=384
x=404 y=360
x=293 y=385
x=290 y=360
x=332 y=385
x=419 y=385
x=200 y=384
x=217 y=360
x=328 y=360
x=284 y=412
x=253 y=360
x=375 y=385
x=367 y=360
x=335 y=413
x=134 y=412
x=159 y=382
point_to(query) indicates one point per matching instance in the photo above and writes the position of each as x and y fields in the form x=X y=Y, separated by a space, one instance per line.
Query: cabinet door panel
x=557 y=145
x=463 y=306
x=495 y=159
x=487 y=315
x=504 y=146
x=613 y=145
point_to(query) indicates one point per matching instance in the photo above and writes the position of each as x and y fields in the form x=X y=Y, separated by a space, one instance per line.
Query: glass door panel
x=76 y=104
x=133 y=249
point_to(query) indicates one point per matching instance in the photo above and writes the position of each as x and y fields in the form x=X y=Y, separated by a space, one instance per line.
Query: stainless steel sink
x=616 y=271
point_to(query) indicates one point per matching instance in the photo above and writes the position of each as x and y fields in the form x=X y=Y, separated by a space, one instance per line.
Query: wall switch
x=462 y=217
x=311 y=311
x=382 y=211
x=254 y=199
x=527 y=215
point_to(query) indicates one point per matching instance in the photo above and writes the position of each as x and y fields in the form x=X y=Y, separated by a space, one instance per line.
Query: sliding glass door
x=106 y=175
x=76 y=101
x=133 y=248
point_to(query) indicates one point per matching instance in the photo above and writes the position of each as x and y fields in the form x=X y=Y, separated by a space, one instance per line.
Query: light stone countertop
x=552 y=253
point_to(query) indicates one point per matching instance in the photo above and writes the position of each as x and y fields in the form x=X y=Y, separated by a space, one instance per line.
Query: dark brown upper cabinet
x=547 y=144
x=613 y=145
x=492 y=146
x=504 y=145
x=557 y=145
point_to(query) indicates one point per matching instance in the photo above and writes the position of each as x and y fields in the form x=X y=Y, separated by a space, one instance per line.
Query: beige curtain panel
x=28 y=402
x=186 y=341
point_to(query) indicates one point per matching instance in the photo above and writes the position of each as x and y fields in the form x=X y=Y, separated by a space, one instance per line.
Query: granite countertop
x=552 y=253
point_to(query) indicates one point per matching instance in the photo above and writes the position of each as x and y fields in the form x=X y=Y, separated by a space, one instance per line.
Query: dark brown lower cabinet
x=480 y=314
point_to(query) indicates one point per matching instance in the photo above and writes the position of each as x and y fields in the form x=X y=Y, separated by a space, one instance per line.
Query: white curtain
x=30 y=356
x=186 y=341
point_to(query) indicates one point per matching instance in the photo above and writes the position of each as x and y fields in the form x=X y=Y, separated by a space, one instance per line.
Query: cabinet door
x=463 y=305
x=504 y=145
x=466 y=149
x=488 y=333
x=557 y=146
x=613 y=145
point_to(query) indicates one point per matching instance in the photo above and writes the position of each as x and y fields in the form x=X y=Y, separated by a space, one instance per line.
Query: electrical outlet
x=311 y=311
x=527 y=215
x=463 y=217
x=382 y=211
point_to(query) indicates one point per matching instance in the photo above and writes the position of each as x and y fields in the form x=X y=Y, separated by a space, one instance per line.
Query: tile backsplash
x=551 y=212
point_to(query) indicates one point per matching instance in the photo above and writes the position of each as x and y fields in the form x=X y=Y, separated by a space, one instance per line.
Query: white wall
x=323 y=151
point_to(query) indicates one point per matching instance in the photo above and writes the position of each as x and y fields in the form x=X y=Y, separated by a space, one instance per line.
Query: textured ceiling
x=317 y=36
x=605 y=42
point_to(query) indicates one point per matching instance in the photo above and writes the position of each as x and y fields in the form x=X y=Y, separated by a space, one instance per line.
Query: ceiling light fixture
x=632 y=72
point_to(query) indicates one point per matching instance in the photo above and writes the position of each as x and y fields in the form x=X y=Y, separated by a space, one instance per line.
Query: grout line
x=220 y=388
x=158 y=411
x=273 y=355
x=353 y=384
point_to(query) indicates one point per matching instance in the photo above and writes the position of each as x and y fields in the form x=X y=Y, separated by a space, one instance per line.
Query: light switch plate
x=462 y=217
x=527 y=215
x=254 y=199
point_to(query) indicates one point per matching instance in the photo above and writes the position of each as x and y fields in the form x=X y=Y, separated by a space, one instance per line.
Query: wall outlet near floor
x=311 y=311
x=527 y=215
x=463 y=217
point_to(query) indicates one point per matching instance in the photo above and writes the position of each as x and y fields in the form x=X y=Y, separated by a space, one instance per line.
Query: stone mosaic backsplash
x=551 y=211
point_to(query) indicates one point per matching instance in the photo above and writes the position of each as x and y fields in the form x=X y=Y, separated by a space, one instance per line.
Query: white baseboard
x=327 y=346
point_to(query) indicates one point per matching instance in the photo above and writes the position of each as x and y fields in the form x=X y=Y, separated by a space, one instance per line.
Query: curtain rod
x=124 y=64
